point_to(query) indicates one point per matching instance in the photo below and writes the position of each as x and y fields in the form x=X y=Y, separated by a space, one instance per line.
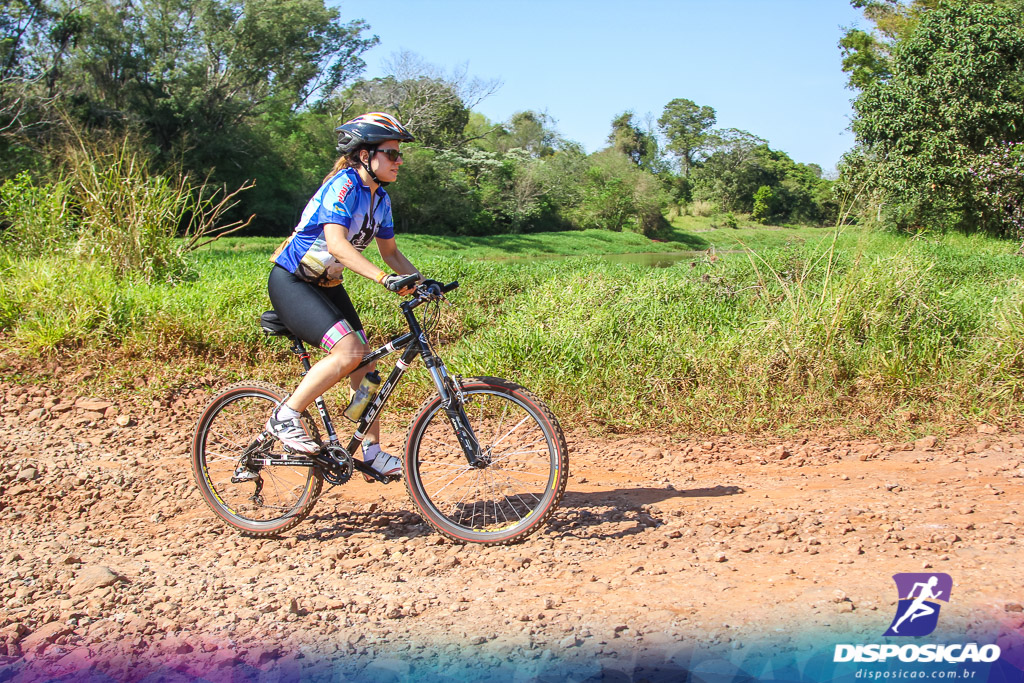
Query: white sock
x=370 y=451
x=286 y=413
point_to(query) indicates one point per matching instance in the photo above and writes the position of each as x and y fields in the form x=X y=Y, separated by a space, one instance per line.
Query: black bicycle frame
x=415 y=344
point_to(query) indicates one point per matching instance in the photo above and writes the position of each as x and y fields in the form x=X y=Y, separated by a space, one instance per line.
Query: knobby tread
x=255 y=529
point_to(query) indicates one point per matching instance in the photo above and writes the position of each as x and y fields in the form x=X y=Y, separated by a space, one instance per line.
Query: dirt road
x=662 y=547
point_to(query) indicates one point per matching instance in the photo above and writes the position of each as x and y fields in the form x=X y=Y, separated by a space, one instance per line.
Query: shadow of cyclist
x=621 y=512
x=644 y=495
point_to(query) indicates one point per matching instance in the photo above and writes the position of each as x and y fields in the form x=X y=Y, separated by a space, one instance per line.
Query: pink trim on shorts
x=338 y=332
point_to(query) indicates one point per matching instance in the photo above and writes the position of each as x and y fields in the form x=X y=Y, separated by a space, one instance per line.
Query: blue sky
x=771 y=67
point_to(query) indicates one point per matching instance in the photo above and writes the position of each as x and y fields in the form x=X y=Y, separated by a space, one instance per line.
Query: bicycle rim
x=523 y=482
x=282 y=495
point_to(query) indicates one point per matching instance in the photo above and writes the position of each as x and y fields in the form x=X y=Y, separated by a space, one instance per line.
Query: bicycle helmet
x=371 y=130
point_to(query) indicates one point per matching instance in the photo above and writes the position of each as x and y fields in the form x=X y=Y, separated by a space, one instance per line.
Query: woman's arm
x=347 y=255
x=396 y=259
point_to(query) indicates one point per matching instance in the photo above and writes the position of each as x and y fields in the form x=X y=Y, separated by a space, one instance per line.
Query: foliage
x=953 y=95
x=864 y=332
x=109 y=208
x=627 y=138
x=428 y=101
x=248 y=93
x=614 y=194
x=867 y=55
x=36 y=217
x=530 y=131
x=765 y=205
x=203 y=83
x=742 y=164
x=999 y=181
x=687 y=128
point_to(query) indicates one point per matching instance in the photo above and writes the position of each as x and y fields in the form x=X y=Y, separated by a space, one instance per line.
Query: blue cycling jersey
x=344 y=199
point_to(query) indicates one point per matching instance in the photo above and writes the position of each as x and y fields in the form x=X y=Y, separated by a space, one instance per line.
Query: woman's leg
x=342 y=359
x=320 y=316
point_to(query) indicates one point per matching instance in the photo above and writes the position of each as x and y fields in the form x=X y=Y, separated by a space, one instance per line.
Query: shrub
x=36 y=218
x=109 y=207
x=764 y=204
x=999 y=181
x=131 y=218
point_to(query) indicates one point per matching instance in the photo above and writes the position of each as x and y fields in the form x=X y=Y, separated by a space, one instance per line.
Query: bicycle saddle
x=272 y=325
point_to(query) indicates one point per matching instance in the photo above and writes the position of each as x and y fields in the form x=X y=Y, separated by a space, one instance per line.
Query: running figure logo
x=918 y=612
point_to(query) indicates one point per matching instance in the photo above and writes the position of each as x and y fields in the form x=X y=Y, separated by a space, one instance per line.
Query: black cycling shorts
x=316 y=315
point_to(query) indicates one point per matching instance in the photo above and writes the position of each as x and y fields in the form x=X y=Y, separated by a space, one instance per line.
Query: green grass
x=686 y=233
x=866 y=331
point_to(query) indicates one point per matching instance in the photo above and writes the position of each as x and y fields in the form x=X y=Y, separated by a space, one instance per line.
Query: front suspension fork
x=452 y=402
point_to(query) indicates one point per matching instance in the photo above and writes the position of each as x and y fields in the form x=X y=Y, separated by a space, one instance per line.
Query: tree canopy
x=249 y=91
x=949 y=99
x=687 y=128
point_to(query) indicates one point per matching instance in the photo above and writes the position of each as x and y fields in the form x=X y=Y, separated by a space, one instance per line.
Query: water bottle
x=363 y=395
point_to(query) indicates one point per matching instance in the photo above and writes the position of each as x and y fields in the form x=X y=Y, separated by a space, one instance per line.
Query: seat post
x=299 y=349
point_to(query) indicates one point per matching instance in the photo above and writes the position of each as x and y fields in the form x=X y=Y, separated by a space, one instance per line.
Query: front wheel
x=522 y=477
x=230 y=456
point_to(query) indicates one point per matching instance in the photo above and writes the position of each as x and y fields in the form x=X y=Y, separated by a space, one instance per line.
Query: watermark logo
x=917 y=612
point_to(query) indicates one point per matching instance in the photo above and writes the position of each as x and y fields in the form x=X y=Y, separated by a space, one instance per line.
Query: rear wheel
x=525 y=472
x=231 y=439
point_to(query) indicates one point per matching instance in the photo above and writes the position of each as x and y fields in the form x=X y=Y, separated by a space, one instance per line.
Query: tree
x=744 y=174
x=433 y=104
x=33 y=41
x=627 y=138
x=954 y=92
x=765 y=205
x=212 y=84
x=687 y=128
x=179 y=67
x=731 y=173
x=530 y=131
x=866 y=55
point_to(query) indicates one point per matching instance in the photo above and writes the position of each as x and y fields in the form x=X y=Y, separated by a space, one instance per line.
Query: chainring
x=338 y=468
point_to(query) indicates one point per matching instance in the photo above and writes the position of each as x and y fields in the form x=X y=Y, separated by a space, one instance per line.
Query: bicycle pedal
x=384 y=480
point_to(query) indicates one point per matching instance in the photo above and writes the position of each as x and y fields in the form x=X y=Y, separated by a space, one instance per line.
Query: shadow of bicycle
x=617 y=513
x=386 y=525
x=621 y=513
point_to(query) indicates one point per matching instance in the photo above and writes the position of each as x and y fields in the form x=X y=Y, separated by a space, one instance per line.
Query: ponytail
x=348 y=160
x=340 y=165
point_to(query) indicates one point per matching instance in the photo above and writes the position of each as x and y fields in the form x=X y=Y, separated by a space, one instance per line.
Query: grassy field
x=769 y=329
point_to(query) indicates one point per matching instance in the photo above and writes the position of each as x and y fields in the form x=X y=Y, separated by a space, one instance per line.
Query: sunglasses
x=393 y=155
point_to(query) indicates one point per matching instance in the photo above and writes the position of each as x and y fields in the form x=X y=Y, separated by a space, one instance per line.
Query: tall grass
x=109 y=207
x=865 y=331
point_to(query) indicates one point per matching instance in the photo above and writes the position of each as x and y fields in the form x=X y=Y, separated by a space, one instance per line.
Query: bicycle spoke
x=504 y=497
x=227 y=432
x=510 y=431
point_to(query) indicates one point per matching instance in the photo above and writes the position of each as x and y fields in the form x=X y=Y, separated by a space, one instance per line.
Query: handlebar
x=428 y=290
x=423 y=288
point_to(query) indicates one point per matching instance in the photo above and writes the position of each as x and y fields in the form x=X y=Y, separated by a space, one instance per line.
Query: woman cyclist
x=350 y=208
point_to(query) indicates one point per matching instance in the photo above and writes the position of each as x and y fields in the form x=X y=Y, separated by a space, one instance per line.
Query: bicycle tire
x=528 y=472
x=228 y=426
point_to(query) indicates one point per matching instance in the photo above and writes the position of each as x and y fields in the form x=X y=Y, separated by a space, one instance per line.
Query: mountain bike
x=485 y=460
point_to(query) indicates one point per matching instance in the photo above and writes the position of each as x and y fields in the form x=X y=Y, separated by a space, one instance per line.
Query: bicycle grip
x=398 y=285
x=449 y=287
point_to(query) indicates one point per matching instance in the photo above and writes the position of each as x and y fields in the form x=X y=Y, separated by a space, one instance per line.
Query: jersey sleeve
x=338 y=201
x=386 y=229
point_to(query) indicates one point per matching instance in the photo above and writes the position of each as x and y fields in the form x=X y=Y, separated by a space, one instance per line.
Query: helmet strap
x=372 y=151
